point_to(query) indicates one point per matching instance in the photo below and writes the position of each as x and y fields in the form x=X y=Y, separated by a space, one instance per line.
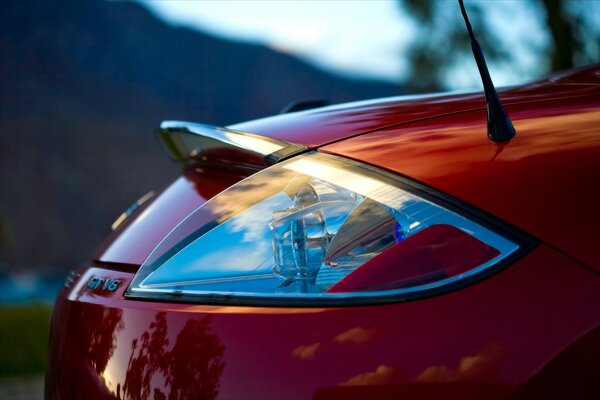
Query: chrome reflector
x=187 y=141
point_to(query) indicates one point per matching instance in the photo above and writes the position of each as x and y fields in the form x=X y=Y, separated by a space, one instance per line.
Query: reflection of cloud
x=245 y=259
x=355 y=335
x=254 y=222
x=246 y=210
x=482 y=366
x=249 y=192
x=306 y=352
x=381 y=376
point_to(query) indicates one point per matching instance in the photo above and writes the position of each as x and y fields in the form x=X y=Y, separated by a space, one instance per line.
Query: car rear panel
x=489 y=340
x=531 y=330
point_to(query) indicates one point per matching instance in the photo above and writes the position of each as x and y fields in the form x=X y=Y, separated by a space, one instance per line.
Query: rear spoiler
x=191 y=143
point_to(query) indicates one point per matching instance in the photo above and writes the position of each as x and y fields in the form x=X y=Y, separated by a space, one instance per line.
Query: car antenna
x=500 y=127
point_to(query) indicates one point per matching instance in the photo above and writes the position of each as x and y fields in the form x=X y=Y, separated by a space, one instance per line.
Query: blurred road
x=22 y=388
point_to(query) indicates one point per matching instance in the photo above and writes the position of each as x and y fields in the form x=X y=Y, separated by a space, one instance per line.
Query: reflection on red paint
x=318 y=127
x=251 y=349
x=196 y=356
x=483 y=366
x=541 y=181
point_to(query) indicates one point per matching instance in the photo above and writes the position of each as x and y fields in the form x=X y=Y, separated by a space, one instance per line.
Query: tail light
x=322 y=230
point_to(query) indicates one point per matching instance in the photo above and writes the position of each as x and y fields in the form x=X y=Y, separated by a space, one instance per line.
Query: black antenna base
x=499 y=125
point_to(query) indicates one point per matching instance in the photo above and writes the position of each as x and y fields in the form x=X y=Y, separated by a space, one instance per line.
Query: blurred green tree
x=573 y=37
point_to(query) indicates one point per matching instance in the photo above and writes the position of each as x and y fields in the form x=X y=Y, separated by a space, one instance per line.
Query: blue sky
x=357 y=38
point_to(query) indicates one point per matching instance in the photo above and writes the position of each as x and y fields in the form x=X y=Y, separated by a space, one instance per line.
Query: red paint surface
x=317 y=127
x=497 y=338
x=544 y=181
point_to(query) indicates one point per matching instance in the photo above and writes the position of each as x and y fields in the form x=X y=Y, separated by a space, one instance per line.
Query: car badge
x=107 y=285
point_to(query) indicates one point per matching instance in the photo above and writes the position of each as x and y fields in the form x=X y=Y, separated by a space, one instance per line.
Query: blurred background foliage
x=442 y=43
x=23 y=339
x=84 y=83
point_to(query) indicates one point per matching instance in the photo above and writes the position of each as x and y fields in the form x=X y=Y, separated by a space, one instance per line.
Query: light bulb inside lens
x=303 y=232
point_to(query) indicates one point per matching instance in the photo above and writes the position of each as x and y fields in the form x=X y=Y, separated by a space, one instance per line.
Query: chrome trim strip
x=186 y=140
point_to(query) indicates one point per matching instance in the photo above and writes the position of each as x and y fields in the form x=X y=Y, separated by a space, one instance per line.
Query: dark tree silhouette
x=196 y=357
x=148 y=357
x=191 y=369
x=442 y=41
x=565 y=43
x=102 y=338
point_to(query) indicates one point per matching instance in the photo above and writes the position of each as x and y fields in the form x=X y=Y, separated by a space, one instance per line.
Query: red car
x=379 y=249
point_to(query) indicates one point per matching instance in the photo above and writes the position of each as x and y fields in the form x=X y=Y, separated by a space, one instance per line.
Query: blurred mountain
x=83 y=84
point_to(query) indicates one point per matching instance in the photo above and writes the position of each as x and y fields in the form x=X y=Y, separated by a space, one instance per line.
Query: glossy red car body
x=529 y=331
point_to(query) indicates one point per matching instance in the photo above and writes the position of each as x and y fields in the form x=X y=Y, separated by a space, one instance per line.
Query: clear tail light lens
x=319 y=230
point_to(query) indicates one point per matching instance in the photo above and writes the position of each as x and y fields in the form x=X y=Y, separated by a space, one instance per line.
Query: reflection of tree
x=196 y=357
x=148 y=356
x=191 y=369
x=103 y=338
